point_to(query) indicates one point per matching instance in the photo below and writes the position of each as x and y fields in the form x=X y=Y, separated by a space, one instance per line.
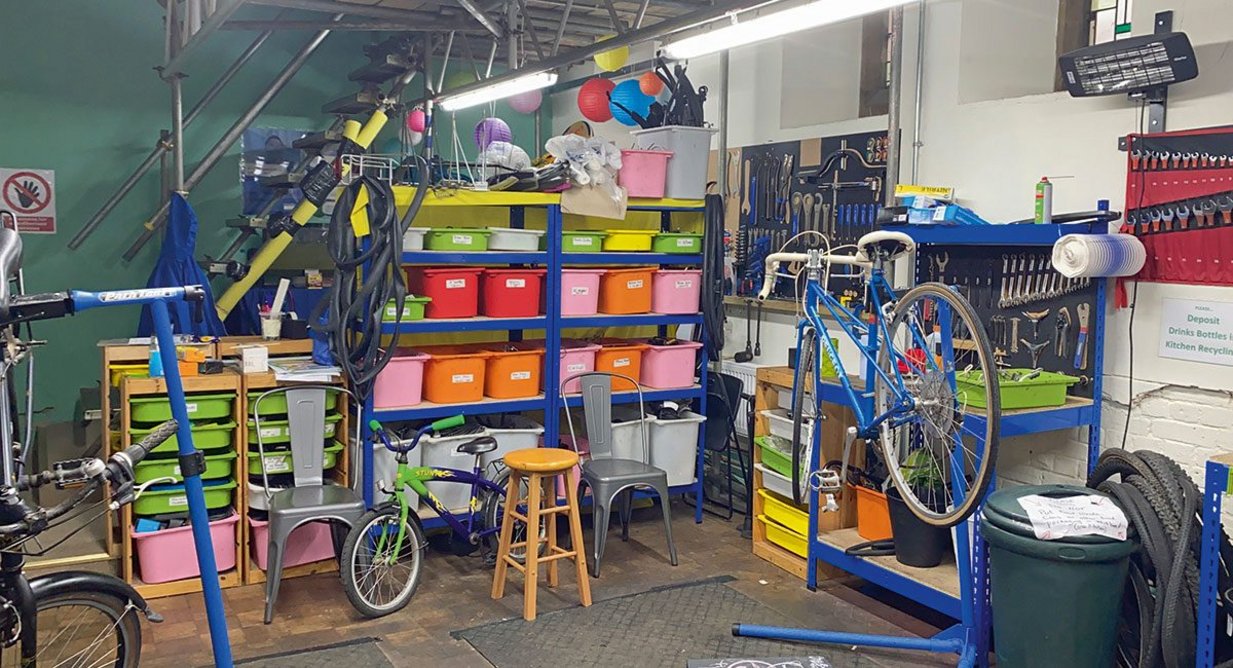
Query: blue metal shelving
x=1215 y=486
x=466 y=325
x=646 y=319
x=483 y=257
x=629 y=258
x=431 y=411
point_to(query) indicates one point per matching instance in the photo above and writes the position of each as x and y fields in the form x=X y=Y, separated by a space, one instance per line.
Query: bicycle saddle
x=892 y=244
x=478 y=446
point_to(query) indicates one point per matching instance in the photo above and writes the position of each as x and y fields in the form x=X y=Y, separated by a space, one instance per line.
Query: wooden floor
x=453 y=595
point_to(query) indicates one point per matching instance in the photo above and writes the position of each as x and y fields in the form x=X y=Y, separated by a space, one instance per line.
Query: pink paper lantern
x=417 y=120
x=528 y=102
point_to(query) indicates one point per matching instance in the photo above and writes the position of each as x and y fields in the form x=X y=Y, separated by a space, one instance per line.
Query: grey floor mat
x=358 y=652
x=660 y=628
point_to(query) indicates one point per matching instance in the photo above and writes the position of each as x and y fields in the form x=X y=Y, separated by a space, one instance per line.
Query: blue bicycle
x=935 y=409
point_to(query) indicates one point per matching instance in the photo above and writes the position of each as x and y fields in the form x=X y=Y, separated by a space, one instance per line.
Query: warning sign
x=31 y=195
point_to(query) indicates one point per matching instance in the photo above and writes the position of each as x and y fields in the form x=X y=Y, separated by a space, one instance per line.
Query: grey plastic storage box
x=691 y=150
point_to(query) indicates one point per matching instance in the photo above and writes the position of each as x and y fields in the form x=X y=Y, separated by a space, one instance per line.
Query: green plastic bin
x=216 y=466
x=412 y=309
x=200 y=407
x=159 y=501
x=774 y=458
x=581 y=242
x=206 y=436
x=1017 y=389
x=276 y=404
x=274 y=432
x=677 y=242
x=281 y=462
x=456 y=239
x=1055 y=602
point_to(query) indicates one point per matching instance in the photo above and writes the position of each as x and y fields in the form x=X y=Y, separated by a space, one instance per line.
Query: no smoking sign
x=31 y=195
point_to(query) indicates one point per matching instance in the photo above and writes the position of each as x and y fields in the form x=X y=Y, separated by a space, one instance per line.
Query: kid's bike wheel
x=493 y=513
x=380 y=572
x=82 y=628
x=940 y=439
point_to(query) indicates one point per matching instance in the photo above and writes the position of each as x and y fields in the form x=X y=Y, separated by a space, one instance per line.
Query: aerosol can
x=1044 y=201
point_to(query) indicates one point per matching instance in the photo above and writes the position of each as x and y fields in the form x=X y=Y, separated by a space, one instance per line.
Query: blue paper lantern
x=628 y=94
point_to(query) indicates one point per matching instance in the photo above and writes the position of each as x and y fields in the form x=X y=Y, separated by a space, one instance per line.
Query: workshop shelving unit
x=551 y=323
x=960 y=590
x=1216 y=484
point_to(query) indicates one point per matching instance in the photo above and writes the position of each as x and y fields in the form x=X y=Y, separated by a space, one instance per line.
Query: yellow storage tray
x=784 y=512
x=784 y=538
x=629 y=240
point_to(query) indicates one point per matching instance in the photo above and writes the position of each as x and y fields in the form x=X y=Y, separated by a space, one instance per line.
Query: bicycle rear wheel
x=940 y=441
x=803 y=398
x=83 y=628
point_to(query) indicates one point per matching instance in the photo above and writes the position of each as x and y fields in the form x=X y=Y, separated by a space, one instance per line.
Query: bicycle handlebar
x=438 y=425
x=775 y=259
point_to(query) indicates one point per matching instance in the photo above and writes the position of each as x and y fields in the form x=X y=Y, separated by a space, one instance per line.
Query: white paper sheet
x=1054 y=518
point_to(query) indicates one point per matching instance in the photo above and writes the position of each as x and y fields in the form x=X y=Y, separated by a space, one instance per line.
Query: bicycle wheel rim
x=83 y=629
x=385 y=572
x=802 y=396
x=939 y=448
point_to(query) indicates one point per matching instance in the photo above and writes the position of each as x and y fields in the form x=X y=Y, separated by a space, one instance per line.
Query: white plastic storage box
x=513 y=432
x=691 y=150
x=413 y=239
x=627 y=434
x=781 y=427
x=511 y=239
x=674 y=446
x=773 y=481
x=384 y=468
x=442 y=452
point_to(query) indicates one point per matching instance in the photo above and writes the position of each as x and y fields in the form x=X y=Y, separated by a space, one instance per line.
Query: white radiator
x=747 y=372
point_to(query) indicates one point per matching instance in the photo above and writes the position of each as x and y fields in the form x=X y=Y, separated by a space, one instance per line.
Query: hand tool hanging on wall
x=758 y=341
x=747 y=354
x=1035 y=349
x=1035 y=317
x=1014 y=334
x=797 y=198
x=1062 y=335
x=1084 y=312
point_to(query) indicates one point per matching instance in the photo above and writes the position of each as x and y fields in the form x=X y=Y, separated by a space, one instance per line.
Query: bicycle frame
x=414 y=477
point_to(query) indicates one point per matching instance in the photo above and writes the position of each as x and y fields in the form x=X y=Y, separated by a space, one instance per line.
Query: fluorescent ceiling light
x=497 y=91
x=766 y=26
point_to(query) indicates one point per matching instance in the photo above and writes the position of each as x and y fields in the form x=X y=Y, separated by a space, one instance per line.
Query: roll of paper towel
x=1098 y=255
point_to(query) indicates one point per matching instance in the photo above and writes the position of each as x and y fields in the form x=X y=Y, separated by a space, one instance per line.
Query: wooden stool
x=540 y=467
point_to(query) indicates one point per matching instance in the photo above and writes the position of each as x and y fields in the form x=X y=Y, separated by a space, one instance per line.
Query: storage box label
x=520 y=375
x=461 y=238
x=178 y=501
x=623 y=361
x=515 y=282
x=684 y=284
x=276 y=463
x=270 y=432
x=685 y=243
x=191 y=408
x=177 y=471
x=573 y=368
x=634 y=285
x=462 y=378
x=455 y=283
x=579 y=290
x=584 y=241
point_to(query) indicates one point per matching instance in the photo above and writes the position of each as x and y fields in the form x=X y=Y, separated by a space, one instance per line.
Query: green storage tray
x=774 y=458
x=581 y=242
x=157 y=501
x=281 y=462
x=412 y=309
x=276 y=404
x=216 y=466
x=456 y=239
x=206 y=436
x=274 y=432
x=200 y=407
x=1045 y=389
x=677 y=242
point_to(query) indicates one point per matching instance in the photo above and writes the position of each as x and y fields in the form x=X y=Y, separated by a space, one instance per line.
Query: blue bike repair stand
x=157 y=299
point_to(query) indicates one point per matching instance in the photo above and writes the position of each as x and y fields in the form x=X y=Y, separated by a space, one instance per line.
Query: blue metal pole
x=210 y=591
x=701 y=445
x=552 y=333
x=366 y=451
x=940 y=645
x=1214 y=483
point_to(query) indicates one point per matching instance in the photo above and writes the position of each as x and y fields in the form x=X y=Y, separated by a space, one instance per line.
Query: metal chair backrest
x=306 y=423
x=597 y=411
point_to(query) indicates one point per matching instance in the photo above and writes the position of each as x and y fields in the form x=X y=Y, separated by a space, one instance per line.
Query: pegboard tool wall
x=1179 y=203
x=1010 y=287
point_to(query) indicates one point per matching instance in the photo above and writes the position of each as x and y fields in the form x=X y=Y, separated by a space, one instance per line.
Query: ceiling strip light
x=497 y=91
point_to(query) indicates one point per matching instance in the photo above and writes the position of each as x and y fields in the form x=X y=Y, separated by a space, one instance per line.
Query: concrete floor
x=453 y=595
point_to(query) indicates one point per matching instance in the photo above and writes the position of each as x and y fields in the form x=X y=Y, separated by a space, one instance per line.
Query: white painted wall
x=993 y=151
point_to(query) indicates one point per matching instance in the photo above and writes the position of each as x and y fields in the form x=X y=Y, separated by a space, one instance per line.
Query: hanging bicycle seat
x=891 y=244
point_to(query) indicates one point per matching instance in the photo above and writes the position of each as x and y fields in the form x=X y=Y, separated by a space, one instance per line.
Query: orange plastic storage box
x=514 y=370
x=454 y=374
x=623 y=357
x=454 y=290
x=626 y=291
x=872 y=514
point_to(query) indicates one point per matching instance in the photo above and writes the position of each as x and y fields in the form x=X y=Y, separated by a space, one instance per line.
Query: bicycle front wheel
x=380 y=572
x=83 y=629
x=939 y=439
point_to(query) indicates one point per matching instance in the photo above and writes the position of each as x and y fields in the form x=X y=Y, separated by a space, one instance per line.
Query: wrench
x=819 y=218
x=941 y=260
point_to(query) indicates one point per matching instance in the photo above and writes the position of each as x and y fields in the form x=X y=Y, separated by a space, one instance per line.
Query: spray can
x=1044 y=201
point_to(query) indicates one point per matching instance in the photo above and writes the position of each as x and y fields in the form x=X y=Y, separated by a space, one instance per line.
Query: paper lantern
x=458 y=80
x=417 y=120
x=492 y=129
x=650 y=84
x=414 y=138
x=630 y=96
x=528 y=102
x=593 y=99
x=613 y=59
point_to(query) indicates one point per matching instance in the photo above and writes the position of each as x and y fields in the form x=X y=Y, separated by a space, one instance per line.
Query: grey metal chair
x=607 y=476
x=312 y=499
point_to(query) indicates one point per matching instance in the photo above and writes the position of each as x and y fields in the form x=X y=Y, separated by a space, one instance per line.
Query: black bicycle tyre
x=983 y=478
x=347 y=566
x=492 y=513
x=122 y=617
x=804 y=363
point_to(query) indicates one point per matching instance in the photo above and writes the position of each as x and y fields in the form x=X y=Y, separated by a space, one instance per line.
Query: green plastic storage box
x=582 y=242
x=274 y=432
x=773 y=457
x=151 y=410
x=276 y=404
x=412 y=309
x=1017 y=389
x=160 y=500
x=456 y=239
x=281 y=462
x=677 y=242
x=206 y=436
x=216 y=466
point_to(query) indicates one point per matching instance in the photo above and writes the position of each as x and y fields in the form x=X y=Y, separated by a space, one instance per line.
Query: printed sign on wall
x=31 y=195
x=1200 y=331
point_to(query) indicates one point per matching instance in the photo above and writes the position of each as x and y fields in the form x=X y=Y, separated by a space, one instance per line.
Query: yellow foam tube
x=303 y=212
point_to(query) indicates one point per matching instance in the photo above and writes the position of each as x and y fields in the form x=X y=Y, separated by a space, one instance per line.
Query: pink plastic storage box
x=576 y=357
x=644 y=173
x=308 y=543
x=163 y=556
x=580 y=291
x=669 y=367
x=401 y=382
x=676 y=290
